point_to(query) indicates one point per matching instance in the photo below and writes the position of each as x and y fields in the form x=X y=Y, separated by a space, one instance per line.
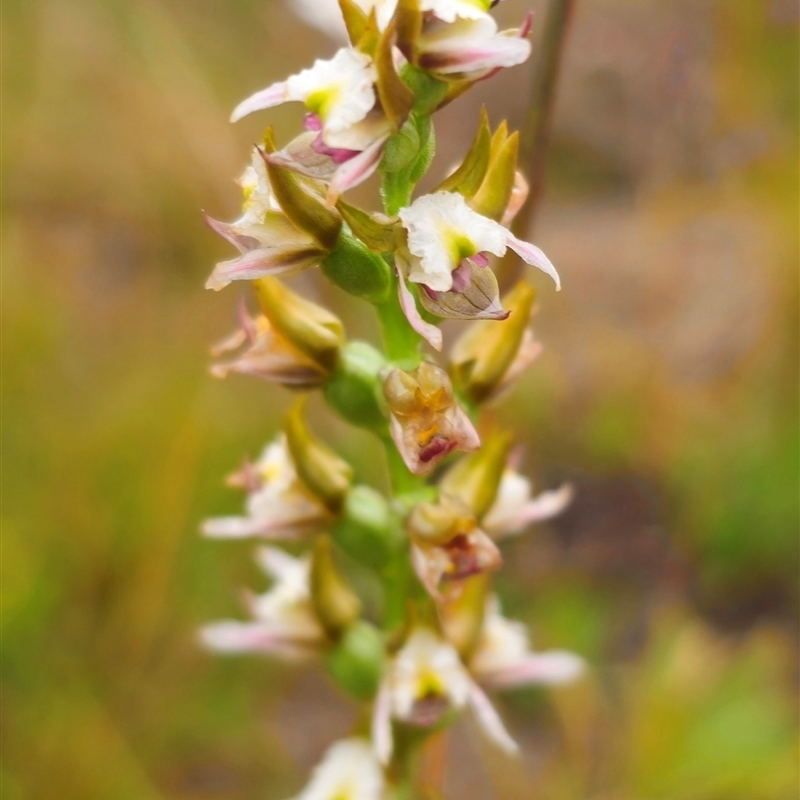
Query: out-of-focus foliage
x=667 y=393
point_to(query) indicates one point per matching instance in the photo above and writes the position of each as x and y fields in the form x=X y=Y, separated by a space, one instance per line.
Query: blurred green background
x=667 y=393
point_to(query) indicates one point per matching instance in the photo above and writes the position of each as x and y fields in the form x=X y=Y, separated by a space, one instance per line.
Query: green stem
x=400 y=340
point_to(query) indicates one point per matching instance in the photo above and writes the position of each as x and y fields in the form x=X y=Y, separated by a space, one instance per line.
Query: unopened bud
x=494 y=195
x=366 y=529
x=322 y=471
x=354 y=391
x=357 y=660
x=482 y=358
x=310 y=328
x=475 y=479
x=462 y=615
x=335 y=603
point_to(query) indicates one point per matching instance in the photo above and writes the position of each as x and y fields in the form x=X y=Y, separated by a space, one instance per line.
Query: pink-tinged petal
x=429 y=570
x=228 y=232
x=262 y=262
x=540 y=508
x=468 y=57
x=247 y=323
x=532 y=255
x=356 y=170
x=480 y=260
x=462 y=277
x=232 y=638
x=247 y=527
x=427 y=331
x=267 y=98
x=232 y=342
x=552 y=668
x=489 y=720
x=526 y=26
x=467 y=437
x=382 y=723
x=519 y=194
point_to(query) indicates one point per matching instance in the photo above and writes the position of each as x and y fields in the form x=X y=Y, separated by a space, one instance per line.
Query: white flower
x=514 y=509
x=341 y=91
x=278 y=504
x=284 y=622
x=503 y=659
x=424 y=680
x=268 y=242
x=446 y=238
x=348 y=771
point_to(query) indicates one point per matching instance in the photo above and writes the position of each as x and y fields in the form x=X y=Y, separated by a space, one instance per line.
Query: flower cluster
x=436 y=642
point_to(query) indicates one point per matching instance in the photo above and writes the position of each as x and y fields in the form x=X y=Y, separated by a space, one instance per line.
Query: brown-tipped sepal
x=489 y=355
x=323 y=472
x=308 y=327
x=336 y=605
x=475 y=479
x=307 y=211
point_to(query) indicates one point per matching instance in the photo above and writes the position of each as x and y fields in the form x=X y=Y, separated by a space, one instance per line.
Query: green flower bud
x=366 y=529
x=462 y=616
x=493 y=197
x=355 y=390
x=357 y=270
x=357 y=661
x=321 y=470
x=311 y=329
x=482 y=358
x=475 y=479
x=336 y=605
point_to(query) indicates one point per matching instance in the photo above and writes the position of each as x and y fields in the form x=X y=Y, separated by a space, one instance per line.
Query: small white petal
x=550 y=668
x=348 y=771
x=490 y=721
x=231 y=636
x=382 y=723
x=343 y=87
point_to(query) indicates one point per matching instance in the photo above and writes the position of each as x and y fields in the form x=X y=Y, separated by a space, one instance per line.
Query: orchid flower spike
x=425 y=421
x=503 y=658
x=279 y=505
x=424 y=681
x=349 y=770
x=284 y=623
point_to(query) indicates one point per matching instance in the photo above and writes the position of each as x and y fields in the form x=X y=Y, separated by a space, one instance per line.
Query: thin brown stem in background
x=535 y=132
